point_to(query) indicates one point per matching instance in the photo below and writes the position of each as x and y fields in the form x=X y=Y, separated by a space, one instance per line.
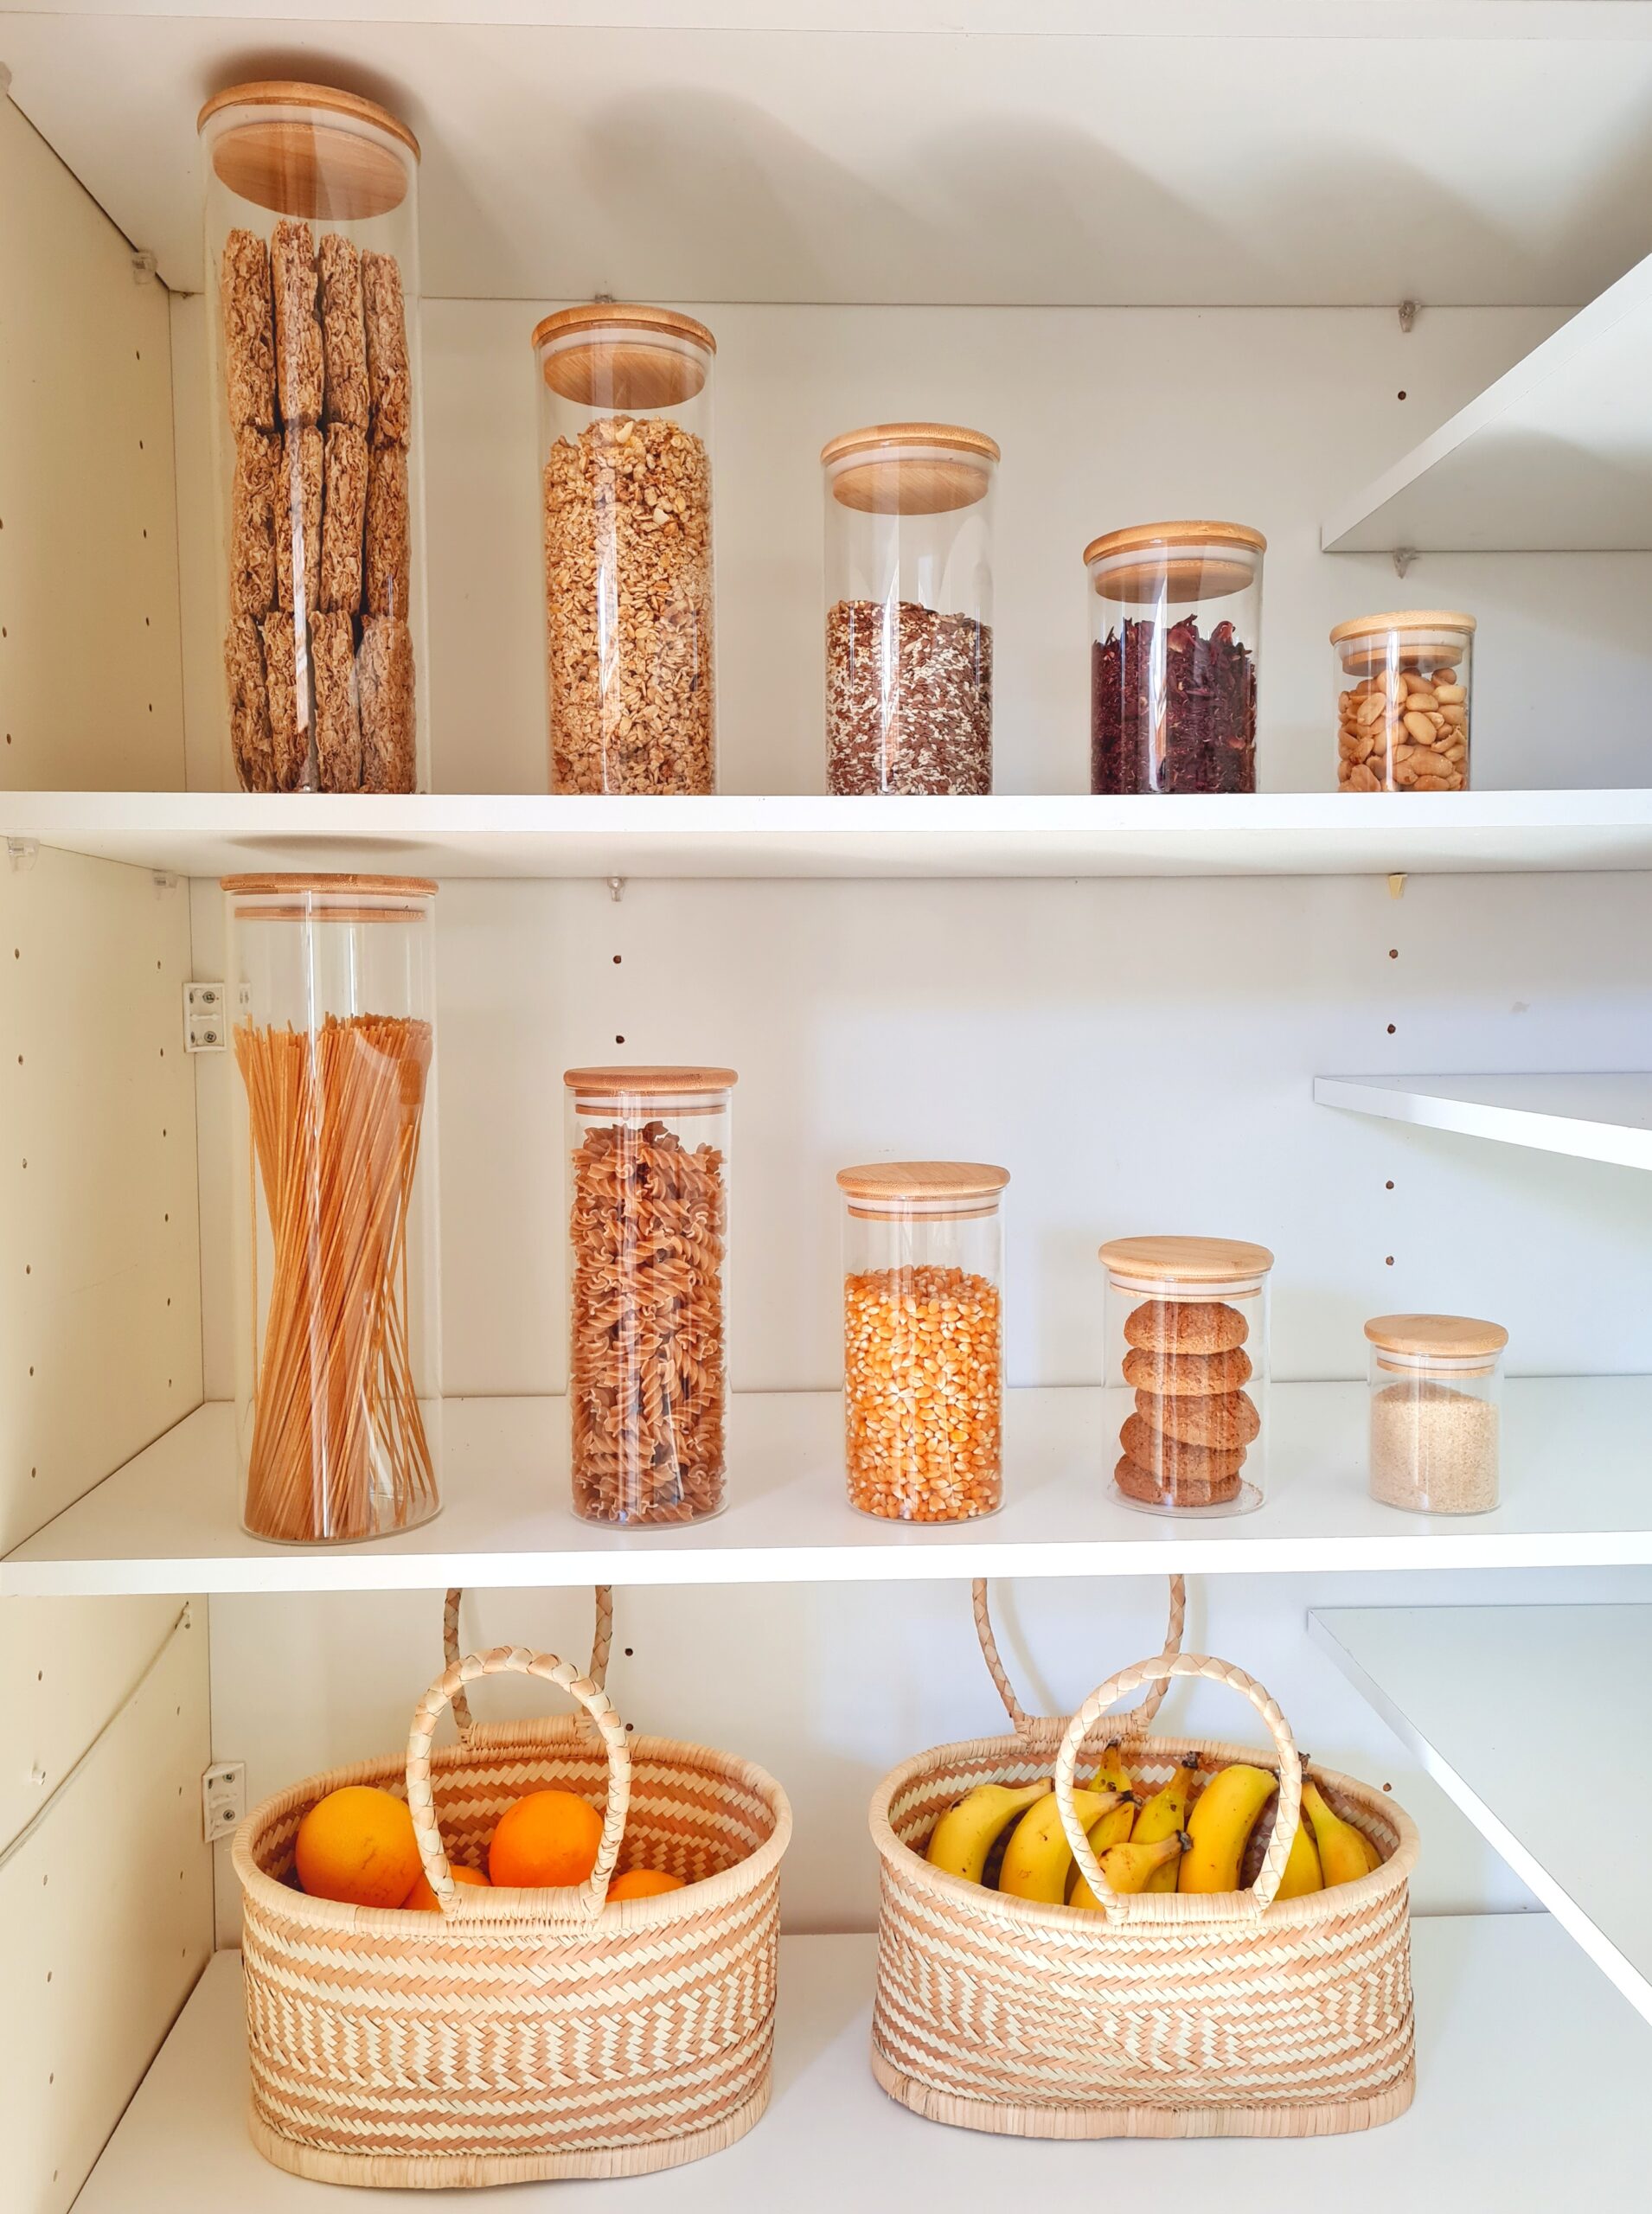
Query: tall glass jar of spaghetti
x=923 y=1339
x=625 y=487
x=648 y=1243
x=331 y=997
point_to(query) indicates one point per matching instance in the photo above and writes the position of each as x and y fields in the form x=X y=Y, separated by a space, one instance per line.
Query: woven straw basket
x=519 y=2035
x=1167 y=2015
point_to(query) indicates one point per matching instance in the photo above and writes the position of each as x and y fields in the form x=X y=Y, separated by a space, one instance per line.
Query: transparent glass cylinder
x=1176 y=613
x=1187 y=1340
x=312 y=281
x=1436 y=1412
x=331 y=998
x=648 y=1247
x=624 y=413
x=909 y=609
x=923 y=1339
x=1405 y=693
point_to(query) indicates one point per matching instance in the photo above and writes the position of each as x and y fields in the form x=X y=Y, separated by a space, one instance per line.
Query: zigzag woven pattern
x=415 y=2048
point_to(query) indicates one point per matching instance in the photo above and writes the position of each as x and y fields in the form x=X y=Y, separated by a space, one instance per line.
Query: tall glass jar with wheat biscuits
x=331 y=993
x=924 y=1338
x=1436 y=1388
x=312 y=281
x=1186 y=1349
x=909 y=609
x=625 y=407
x=648 y=1246
x=1404 y=689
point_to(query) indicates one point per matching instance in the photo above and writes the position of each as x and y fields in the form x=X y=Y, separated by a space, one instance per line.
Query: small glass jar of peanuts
x=923 y=1339
x=1188 y=1356
x=1404 y=684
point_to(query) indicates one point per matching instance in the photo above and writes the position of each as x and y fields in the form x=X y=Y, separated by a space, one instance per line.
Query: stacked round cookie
x=1185 y=1444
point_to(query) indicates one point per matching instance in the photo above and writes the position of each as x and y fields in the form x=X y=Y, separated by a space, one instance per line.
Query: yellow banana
x=1112 y=1775
x=1303 y=1872
x=1166 y=1813
x=1114 y=1828
x=1342 y=1848
x=1038 y=1858
x=967 y=1832
x=1130 y=1867
x=1220 y=1825
x=1372 y=1856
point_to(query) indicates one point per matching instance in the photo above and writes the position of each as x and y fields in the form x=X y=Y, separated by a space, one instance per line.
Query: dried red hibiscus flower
x=1190 y=727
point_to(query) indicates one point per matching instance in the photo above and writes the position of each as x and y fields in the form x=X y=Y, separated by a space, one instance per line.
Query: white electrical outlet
x=223 y=1799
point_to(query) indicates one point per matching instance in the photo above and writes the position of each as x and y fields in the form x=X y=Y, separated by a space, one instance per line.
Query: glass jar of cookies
x=923 y=1339
x=312 y=279
x=1187 y=1324
x=1404 y=686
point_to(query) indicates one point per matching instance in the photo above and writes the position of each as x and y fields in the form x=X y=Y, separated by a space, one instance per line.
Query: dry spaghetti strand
x=339 y=1448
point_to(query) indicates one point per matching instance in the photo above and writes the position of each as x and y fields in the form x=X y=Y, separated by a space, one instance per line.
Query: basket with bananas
x=1198 y=1941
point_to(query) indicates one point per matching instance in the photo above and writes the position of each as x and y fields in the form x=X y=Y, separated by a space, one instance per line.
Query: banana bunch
x=1181 y=1838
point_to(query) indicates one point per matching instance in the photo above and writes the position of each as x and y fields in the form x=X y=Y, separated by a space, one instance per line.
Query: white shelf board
x=168 y=1521
x=1537 y=1722
x=1531 y=2078
x=1604 y=1118
x=1555 y=457
x=1264 y=833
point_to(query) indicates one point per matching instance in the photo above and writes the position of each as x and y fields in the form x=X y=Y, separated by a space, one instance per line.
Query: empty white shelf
x=168 y=1520
x=1606 y=1117
x=1263 y=834
x=1556 y=456
x=1538 y=1722
x=1530 y=2072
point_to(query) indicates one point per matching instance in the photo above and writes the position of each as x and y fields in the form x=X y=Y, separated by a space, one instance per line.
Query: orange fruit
x=422 y=1900
x=547 y=1840
x=643 y=1883
x=357 y=1845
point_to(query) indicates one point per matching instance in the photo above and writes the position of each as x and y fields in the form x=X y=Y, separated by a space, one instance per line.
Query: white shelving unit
x=1536 y=1720
x=1589 y=1117
x=1526 y=2066
x=166 y=1521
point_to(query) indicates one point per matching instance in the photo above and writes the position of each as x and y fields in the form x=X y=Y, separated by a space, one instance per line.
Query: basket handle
x=576 y=1904
x=1025 y=1725
x=1118 y=1906
x=597 y=1672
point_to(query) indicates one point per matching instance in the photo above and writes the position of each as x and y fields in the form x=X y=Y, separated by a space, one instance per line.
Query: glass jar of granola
x=625 y=482
x=923 y=1339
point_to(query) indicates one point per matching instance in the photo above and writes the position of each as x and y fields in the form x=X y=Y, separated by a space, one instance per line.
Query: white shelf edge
x=1442 y=1103
x=1619 y=1970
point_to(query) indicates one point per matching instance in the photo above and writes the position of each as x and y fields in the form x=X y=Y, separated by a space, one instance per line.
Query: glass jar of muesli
x=312 y=279
x=909 y=609
x=1176 y=614
x=625 y=485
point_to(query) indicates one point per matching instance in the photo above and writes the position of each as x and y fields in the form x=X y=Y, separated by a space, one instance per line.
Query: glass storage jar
x=909 y=609
x=1405 y=687
x=312 y=276
x=1186 y=1325
x=923 y=1339
x=625 y=482
x=1176 y=615
x=332 y=1013
x=648 y=1243
x=1436 y=1388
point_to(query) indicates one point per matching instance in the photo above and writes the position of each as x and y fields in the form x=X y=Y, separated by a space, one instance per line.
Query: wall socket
x=223 y=1799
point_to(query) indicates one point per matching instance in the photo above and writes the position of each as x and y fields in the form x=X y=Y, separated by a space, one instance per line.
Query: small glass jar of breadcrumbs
x=1187 y=1326
x=648 y=1242
x=924 y=1338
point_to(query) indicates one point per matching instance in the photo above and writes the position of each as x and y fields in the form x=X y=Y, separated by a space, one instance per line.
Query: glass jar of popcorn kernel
x=923 y=1339
x=1405 y=687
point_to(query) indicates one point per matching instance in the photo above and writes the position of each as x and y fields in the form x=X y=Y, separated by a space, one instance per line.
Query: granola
x=298 y=333
x=908 y=700
x=343 y=336
x=343 y=511
x=249 y=332
x=249 y=706
x=338 y=723
x=251 y=523
x=387 y=557
x=389 y=377
x=384 y=677
x=298 y=519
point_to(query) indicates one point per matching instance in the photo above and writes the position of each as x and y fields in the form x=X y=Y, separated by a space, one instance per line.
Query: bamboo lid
x=396 y=887
x=923 y=1180
x=1414 y=618
x=1174 y=560
x=648 y=1081
x=910 y=468
x=305 y=165
x=1186 y=1260
x=1448 y=1337
x=660 y=360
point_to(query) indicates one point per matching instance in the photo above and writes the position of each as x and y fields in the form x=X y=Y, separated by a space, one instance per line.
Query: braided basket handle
x=1118 y=1906
x=576 y=1904
x=597 y=1672
x=1139 y=1718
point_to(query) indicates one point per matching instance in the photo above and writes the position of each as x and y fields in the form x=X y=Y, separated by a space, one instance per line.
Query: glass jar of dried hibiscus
x=1176 y=614
x=909 y=609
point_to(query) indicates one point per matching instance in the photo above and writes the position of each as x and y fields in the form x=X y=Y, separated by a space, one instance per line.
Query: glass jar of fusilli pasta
x=648 y=1238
